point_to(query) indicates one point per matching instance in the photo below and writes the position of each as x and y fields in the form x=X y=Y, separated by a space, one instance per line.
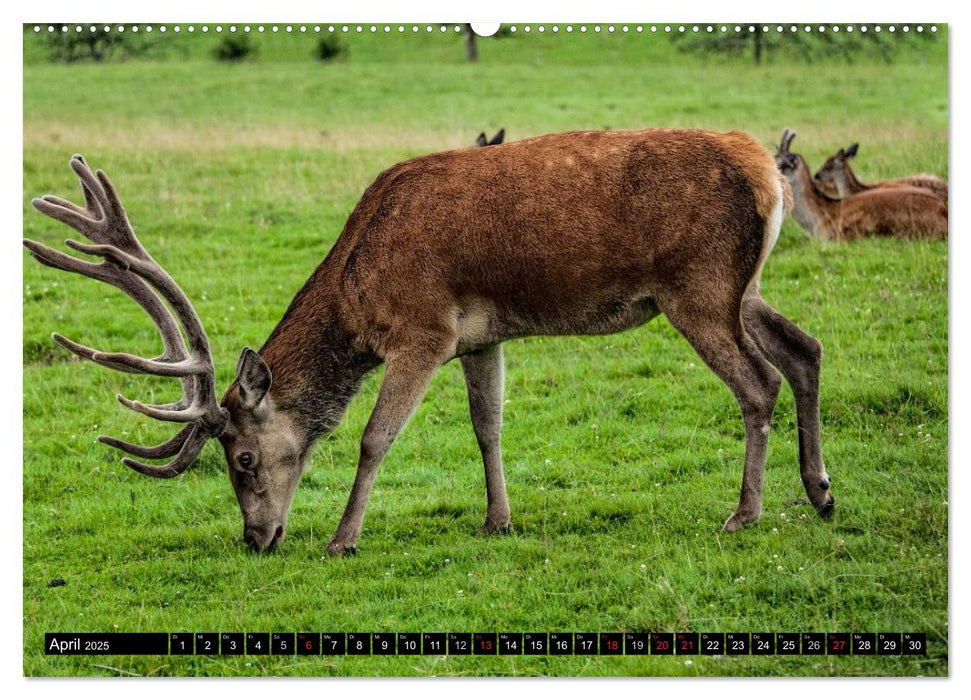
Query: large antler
x=128 y=266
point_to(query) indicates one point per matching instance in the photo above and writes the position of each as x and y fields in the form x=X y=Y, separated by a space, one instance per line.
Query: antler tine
x=190 y=414
x=166 y=449
x=190 y=449
x=94 y=193
x=73 y=216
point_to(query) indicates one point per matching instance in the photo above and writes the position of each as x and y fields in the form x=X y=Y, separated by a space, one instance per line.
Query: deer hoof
x=490 y=527
x=337 y=549
x=739 y=521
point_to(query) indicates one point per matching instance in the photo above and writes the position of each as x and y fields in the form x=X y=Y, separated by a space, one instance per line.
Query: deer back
x=559 y=234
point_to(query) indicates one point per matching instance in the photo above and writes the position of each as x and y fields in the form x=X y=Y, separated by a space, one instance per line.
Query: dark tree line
x=758 y=41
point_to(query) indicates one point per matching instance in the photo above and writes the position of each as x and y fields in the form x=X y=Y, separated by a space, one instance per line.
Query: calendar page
x=510 y=349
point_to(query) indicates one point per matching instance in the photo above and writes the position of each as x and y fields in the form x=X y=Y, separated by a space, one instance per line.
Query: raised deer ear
x=254 y=378
x=481 y=141
x=851 y=151
x=497 y=139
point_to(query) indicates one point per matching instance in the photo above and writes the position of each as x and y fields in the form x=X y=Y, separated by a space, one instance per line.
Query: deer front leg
x=484 y=379
x=405 y=381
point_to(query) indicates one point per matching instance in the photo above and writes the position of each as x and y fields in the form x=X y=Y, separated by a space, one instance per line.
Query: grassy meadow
x=623 y=454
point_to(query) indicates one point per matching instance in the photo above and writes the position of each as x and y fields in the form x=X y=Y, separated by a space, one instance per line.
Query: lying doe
x=836 y=173
x=448 y=255
x=893 y=212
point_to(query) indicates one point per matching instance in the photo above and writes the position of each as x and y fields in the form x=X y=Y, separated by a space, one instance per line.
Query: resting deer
x=448 y=255
x=893 y=212
x=836 y=173
x=495 y=141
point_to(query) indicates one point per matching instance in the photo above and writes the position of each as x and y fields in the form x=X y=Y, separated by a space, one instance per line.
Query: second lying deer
x=836 y=173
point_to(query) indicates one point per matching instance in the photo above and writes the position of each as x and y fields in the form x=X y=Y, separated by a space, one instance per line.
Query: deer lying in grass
x=893 y=212
x=447 y=256
x=836 y=172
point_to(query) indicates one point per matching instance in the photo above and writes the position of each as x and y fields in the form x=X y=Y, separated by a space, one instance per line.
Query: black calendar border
x=474 y=644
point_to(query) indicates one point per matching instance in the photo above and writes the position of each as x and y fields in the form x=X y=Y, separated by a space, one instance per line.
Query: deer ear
x=851 y=151
x=254 y=378
x=497 y=139
x=481 y=141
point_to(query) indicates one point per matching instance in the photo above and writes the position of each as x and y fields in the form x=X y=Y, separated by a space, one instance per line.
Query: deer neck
x=846 y=181
x=813 y=210
x=315 y=366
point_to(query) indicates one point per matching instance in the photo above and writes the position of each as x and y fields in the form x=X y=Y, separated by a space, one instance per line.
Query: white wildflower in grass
x=688 y=662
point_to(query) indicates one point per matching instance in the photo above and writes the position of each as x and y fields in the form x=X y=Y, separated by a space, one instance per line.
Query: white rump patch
x=769 y=237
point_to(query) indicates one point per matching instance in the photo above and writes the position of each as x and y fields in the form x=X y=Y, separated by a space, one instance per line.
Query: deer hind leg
x=483 y=377
x=726 y=348
x=405 y=381
x=797 y=355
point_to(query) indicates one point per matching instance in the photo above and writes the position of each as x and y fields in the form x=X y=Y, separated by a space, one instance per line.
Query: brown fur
x=837 y=174
x=890 y=212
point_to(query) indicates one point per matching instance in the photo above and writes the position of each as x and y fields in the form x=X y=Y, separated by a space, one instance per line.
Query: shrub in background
x=234 y=48
x=330 y=48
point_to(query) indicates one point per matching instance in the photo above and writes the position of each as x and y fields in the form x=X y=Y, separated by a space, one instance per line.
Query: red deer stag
x=893 y=212
x=448 y=255
x=836 y=173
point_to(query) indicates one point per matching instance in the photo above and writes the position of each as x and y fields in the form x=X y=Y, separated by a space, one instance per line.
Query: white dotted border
x=526 y=28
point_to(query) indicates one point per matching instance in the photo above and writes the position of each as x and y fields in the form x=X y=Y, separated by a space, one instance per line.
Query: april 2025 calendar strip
x=486 y=643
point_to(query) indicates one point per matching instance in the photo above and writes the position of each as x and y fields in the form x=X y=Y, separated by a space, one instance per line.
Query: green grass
x=623 y=453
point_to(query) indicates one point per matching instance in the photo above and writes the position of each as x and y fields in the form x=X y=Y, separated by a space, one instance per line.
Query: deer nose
x=251 y=536
x=259 y=539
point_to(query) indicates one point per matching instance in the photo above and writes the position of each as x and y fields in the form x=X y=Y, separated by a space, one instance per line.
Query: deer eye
x=245 y=460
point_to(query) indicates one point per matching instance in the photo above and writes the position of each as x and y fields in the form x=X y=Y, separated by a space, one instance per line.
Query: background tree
x=471 y=51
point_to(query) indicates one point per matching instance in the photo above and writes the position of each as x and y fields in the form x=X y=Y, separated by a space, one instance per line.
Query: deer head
x=835 y=165
x=264 y=447
x=785 y=160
